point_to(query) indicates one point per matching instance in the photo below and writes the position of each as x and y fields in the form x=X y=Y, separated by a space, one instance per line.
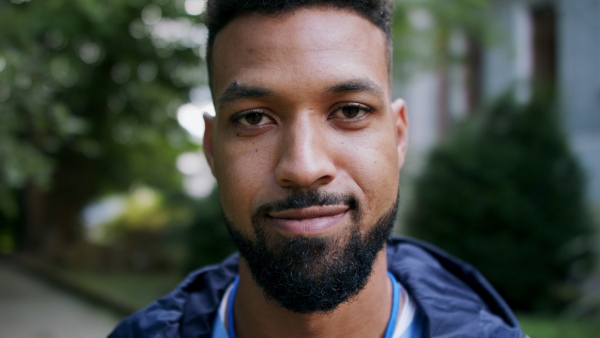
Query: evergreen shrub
x=505 y=193
x=208 y=241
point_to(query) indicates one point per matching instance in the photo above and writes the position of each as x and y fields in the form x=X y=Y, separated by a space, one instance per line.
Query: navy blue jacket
x=455 y=298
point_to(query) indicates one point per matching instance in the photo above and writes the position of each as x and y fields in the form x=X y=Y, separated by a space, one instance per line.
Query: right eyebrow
x=237 y=91
x=356 y=85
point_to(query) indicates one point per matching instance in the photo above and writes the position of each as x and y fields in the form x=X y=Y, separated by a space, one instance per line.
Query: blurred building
x=550 y=42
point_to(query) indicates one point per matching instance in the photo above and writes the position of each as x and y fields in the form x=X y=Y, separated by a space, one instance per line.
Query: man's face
x=306 y=143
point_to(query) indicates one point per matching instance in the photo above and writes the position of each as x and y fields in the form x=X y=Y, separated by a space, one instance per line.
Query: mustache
x=304 y=199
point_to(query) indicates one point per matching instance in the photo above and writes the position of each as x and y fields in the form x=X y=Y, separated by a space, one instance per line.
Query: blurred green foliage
x=207 y=239
x=422 y=31
x=146 y=236
x=558 y=327
x=89 y=92
x=505 y=193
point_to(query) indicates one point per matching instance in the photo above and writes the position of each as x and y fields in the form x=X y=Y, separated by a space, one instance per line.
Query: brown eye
x=253 y=119
x=351 y=111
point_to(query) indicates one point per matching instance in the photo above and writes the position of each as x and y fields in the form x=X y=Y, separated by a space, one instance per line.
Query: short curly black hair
x=219 y=13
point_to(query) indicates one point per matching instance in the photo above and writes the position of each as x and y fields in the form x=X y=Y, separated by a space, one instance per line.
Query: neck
x=365 y=315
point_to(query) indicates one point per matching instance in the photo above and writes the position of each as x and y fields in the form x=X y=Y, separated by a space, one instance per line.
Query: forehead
x=304 y=47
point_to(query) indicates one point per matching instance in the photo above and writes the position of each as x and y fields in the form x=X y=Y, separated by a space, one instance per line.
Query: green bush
x=505 y=193
x=208 y=241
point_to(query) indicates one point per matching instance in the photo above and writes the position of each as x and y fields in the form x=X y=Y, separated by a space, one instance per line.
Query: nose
x=305 y=160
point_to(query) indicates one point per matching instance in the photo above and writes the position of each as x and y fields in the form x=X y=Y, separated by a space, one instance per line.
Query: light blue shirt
x=409 y=320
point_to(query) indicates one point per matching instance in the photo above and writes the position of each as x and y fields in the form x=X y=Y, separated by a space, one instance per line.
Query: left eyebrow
x=356 y=85
x=237 y=91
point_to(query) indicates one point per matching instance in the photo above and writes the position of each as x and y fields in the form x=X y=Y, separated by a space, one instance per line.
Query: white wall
x=579 y=80
x=508 y=62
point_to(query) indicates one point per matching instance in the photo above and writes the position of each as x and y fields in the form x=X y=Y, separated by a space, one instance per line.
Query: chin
x=313 y=274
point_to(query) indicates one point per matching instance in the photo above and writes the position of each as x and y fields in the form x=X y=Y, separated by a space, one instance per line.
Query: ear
x=399 y=113
x=207 y=141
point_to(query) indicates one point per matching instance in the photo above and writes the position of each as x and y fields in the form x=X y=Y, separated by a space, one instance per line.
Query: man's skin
x=303 y=101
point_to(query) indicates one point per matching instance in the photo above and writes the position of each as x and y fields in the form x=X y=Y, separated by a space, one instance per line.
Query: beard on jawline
x=312 y=274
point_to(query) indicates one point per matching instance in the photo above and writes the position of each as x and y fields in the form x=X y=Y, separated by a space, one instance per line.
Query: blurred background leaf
x=90 y=97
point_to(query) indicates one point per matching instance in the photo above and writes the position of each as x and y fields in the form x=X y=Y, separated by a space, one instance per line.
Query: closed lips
x=308 y=221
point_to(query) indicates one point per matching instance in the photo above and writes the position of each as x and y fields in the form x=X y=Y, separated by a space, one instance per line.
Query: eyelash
x=367 y=109
x=237 y=117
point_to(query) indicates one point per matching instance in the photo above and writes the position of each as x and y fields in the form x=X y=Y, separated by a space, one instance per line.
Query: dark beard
x=311 y=275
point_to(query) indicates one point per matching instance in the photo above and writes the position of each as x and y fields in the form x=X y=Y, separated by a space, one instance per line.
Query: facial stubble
x=312 y=274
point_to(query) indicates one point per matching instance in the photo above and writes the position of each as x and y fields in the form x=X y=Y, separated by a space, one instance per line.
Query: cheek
x=372 y=163
x=241 y=170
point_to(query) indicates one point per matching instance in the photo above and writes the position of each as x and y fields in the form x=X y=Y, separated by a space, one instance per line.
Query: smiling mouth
x=314 y=220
